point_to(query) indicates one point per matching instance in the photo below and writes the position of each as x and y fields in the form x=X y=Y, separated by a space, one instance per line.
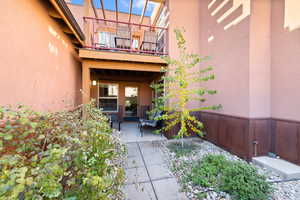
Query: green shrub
x=59 y=155
x=206 y=172
x=182 y=149
x=237 y=178
x=242 y=181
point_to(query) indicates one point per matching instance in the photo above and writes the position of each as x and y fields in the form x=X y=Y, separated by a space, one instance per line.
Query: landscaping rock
x=282 y=190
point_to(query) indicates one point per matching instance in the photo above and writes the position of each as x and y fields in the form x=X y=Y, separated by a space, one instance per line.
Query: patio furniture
x=123 y=37
x=160 y=43
x=105 y=40
x=116 y=118
x=113 y=118
x=149 y=122
x=149 y=42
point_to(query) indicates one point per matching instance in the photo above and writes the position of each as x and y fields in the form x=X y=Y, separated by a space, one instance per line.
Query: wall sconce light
x=94 y=82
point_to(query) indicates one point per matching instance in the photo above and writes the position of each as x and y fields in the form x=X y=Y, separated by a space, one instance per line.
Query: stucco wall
x=285 y=58
x=185 y=16
x=228 y=49
x=260 y=60
x=39 y=66
x=227 y=44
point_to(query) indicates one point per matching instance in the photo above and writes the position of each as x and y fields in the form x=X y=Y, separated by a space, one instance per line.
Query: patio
x=131 y=133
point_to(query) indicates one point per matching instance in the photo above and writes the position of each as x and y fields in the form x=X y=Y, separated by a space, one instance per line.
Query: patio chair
x=149 y=122
x=123 y=37
x=149 y=42
x=116 y=117
x=105 y=40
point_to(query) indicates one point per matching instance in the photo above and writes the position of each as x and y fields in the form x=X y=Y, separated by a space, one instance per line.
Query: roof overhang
x=64 y=13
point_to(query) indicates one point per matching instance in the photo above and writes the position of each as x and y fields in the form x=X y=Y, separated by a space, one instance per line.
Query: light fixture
x=94 y=82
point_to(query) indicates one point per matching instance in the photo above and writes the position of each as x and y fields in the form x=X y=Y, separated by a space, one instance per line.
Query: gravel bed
x=282 y=190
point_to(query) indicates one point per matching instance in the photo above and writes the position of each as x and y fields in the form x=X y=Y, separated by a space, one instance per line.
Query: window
x=108 y=97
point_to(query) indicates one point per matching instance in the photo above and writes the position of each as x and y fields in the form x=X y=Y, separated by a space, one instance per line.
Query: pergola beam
x=156 y=14
x=102 y=8
x=144 y=11
x=130 y=11
x=158 y=1
x=94 y=9
x=117 y=10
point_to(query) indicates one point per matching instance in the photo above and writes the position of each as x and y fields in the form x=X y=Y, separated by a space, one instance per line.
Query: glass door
x=131 y=101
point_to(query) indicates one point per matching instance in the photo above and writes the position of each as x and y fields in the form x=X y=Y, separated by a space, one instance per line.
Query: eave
x=62 y=12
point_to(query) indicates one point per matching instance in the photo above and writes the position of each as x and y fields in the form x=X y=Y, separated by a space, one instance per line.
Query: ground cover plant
x=59 y=155
x=182 y=149
x=237 y=178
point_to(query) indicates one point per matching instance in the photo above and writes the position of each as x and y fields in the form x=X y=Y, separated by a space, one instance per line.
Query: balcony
x=117 y=36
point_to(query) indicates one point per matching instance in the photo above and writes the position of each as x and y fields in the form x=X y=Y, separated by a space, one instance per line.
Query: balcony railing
x=111 y=35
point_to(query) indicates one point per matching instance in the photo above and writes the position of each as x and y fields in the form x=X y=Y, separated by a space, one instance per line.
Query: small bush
x=242 y=181
x=206 y=173
x=182 y=149
x=237 y=178
x=58 y=155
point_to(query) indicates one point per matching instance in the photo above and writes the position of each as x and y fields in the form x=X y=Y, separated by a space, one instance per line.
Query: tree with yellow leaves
x=176 y=85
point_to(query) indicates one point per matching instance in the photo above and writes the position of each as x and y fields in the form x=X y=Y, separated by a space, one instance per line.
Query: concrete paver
x=168 y=189
x=159 y=172
x=287 y=170
x=149 y=148
x=133 y=162
x=143 y=191
x=154 y=159
x=133 y=150
x=147 y=174
x=136 y=175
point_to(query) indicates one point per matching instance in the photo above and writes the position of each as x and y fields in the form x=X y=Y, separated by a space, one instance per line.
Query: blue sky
x=137 y=7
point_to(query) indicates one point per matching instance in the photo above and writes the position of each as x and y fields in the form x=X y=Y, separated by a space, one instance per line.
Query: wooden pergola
x=154 y=17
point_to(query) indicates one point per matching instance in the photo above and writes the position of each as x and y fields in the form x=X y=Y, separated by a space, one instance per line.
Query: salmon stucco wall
x=223 y=35
x=236 y=36
x=39 y=66
x=260 y=60
x=185 y=16
x=285 y=59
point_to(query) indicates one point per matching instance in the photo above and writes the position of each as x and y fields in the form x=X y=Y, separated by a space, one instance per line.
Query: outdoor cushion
x=147 y=122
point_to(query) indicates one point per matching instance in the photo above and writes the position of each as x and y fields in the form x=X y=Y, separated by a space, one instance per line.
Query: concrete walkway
x=147 y=173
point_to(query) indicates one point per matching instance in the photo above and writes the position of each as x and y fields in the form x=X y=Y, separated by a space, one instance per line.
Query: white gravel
x=282 y=190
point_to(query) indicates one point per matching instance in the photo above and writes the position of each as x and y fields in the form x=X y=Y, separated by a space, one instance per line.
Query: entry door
x=131 y=101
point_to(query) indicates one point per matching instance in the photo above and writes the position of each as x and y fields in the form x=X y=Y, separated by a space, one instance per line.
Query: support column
x=86 y=83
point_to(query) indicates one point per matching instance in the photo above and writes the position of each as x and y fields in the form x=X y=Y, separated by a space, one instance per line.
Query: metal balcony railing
x=111 y=35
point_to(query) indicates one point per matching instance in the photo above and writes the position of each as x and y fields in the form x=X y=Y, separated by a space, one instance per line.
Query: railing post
x=93 y=35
